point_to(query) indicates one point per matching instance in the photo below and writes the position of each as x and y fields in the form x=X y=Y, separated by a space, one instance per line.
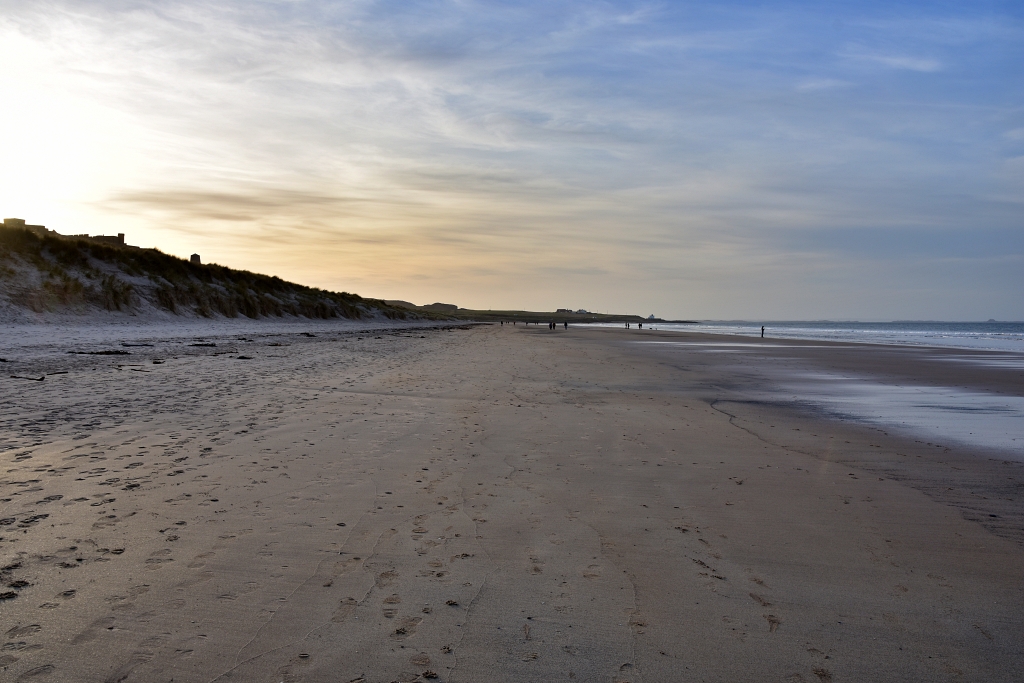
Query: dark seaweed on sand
x=116 y=352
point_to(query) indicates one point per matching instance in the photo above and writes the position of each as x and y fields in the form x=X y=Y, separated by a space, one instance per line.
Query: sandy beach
x=338 y=503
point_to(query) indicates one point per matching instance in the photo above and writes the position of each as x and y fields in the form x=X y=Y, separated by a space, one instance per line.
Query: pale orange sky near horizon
x=685 y=161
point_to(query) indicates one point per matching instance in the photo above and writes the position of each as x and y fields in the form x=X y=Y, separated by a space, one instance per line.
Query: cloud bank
x=684 y=159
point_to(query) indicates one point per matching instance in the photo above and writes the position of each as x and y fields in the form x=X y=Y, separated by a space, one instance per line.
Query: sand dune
x=475 y=504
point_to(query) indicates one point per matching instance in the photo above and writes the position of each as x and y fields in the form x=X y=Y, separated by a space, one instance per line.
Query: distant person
x=640 y=326
x=762 y=331
x=566 y=324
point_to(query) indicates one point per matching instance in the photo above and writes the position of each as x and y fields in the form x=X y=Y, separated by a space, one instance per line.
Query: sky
x=692 y=160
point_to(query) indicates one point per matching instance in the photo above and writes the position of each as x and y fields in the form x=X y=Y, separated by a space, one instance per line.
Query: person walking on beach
x=566 y=324
x=762 y=331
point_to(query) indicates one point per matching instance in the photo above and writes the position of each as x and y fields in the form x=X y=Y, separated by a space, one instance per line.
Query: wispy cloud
x=481 y=152
x=822 y=84
x=896 y=61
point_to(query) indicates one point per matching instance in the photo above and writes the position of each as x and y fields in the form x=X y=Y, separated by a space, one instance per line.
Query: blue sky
x=693 y=160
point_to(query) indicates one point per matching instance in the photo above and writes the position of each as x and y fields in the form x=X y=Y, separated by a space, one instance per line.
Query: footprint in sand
x=344 y=566
x=386 y=578
x=345 y=608
x=93 y=630
x=122 y=672
x=136 y=591
x=637 y=623
x=157 y=562
x=37 y=672
x=406 y=627
x=19 y=631
x=197 y=561
x=286 y=673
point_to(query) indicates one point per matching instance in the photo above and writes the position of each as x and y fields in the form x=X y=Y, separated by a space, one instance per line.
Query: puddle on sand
x=1004 y=361
x=753 y=345
x=941 y=414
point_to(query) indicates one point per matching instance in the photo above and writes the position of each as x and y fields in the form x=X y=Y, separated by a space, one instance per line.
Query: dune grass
x=79 y=272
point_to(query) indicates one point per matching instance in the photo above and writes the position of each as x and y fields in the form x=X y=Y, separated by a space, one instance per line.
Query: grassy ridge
x=78 y=273
x=545 y=317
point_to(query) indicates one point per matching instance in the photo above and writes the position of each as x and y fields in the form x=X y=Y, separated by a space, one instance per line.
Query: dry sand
x=486 y=504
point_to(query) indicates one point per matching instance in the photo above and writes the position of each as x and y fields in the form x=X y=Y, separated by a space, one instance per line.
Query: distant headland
x=559 y=315
x=43 y=272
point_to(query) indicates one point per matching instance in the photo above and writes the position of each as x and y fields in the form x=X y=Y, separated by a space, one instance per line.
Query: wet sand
x=500 y=504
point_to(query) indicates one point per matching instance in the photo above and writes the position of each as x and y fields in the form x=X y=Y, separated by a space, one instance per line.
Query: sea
x=987 y=336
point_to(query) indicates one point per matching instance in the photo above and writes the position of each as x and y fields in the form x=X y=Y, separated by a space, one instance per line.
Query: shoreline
x=985 y=483
x=991 y=336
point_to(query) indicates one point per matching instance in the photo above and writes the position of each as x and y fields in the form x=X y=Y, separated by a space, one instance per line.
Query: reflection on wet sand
x=972 y=418
x=991 y=419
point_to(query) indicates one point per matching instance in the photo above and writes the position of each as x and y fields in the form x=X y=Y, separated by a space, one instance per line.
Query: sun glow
x=61 y=149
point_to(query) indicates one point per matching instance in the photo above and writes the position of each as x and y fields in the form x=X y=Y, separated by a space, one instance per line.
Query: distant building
x=110 y=239
x=195 y=259
x=583 y=310
x=651 y=317
x=42 y=230
x=441 y=307
x=20 y=223
x=564 y=310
